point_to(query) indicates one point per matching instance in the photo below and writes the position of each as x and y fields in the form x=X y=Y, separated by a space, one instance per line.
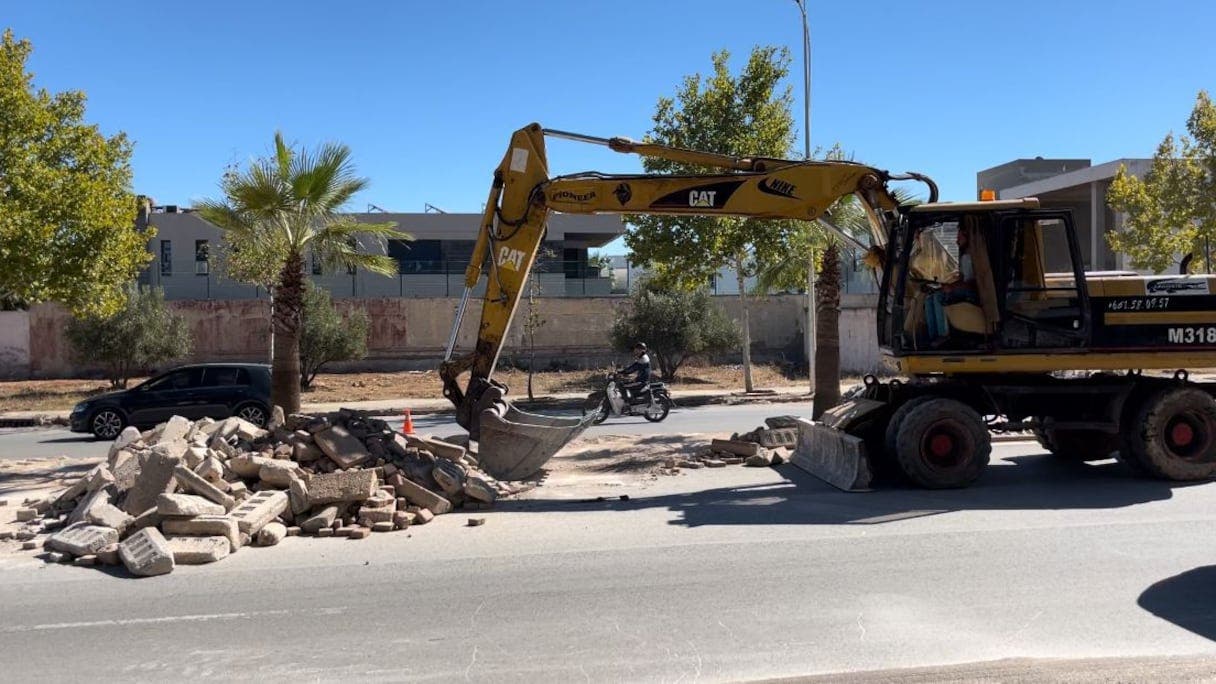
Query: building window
x=419 y=256
x=166 y=258
x=201 y=254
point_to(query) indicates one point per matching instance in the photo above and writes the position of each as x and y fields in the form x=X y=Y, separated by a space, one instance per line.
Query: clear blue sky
x=427 y=93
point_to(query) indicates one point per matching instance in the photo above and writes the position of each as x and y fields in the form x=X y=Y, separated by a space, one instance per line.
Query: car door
x=223 y=388
x=175 y=393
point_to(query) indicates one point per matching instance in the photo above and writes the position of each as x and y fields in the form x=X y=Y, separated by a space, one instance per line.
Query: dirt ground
x=61 y=395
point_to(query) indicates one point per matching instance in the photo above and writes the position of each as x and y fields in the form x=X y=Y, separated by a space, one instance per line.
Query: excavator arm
x=514 y=444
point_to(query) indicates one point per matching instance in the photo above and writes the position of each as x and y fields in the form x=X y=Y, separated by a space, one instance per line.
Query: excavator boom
x=514 y=444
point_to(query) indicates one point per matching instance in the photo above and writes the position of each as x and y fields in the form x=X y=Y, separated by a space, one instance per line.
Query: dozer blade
x=514 y=444
x=831 y=454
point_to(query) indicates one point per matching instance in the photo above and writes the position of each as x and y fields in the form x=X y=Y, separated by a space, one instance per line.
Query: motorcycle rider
x=641 y=367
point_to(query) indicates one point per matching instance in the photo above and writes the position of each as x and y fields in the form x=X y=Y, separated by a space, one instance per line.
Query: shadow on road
x=75 y=439
x=13 y=479
x=1020 y=483
x=1187 y=600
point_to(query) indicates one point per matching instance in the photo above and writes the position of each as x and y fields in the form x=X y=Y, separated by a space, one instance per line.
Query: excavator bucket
x=829 y=452
x=514 y=444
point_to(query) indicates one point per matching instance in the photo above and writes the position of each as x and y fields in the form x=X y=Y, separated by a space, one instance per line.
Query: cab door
x=1041 y=285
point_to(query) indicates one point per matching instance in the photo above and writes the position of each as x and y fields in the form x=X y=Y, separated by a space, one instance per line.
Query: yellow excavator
x=984 y=307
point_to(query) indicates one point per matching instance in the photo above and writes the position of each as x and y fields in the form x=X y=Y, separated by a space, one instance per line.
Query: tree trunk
x=288 y=304
x=747 y=329
x=827 y=333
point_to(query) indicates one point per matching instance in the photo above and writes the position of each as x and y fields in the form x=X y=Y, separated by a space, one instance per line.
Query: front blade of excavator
x=514 y=444
x=827 y=450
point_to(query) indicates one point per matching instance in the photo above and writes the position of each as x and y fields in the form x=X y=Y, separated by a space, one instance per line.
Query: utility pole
x=806 y=153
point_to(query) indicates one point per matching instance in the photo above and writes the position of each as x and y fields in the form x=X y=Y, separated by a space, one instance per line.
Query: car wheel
x=254 y=413
x=107 y=423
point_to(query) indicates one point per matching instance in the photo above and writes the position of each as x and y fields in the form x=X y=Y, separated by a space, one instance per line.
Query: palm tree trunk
x=288 y=303
x=747 y=328
x=827 y=333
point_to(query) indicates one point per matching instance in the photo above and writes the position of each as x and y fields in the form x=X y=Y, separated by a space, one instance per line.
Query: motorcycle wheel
x=599 y=408
x=657 y=411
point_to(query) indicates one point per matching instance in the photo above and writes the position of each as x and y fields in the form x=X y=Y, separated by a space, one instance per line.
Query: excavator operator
x=640 y=367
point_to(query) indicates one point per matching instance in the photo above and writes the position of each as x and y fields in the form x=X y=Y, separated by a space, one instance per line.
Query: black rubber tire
x=107 y=423
x=1044 y=439
x=891 y=436
x=962 y=431
x=1174 y=435
x=664 y=403
x=1080 y=445
x=250 y=412
x=598 y=404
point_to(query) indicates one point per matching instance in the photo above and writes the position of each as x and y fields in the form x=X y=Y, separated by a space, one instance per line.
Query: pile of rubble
x=767 y=445
x=194 y=492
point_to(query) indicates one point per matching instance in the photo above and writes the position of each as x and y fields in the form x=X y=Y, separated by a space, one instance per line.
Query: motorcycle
x=651 y=402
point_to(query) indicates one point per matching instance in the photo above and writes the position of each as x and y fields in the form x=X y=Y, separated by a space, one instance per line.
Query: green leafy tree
x=744 y=114
x=1171 y=211
x=327 y=336
x=67 y=215
x=280 y=209
x=140 y=336
x=676 y=324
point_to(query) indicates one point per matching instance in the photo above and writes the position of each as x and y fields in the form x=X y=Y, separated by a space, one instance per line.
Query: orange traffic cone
x=408 y=428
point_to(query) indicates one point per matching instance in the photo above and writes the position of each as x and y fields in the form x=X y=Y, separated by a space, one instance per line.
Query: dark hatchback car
x=211 y=390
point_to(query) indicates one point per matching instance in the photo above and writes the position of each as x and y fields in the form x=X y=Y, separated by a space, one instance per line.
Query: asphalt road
x=18 y=443
x=722 y=574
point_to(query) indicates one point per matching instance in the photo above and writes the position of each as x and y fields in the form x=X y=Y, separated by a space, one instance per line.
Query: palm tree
x=281 y=209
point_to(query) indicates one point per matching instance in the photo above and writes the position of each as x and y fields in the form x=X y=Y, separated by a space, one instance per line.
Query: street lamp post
x=806 y=151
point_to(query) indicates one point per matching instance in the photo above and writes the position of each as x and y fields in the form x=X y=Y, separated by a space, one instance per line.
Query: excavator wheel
x=1078 y=445
x=941 y=443
x=1174 y=435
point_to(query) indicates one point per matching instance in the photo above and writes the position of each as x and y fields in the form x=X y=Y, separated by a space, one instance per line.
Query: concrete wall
x=412 y=333
x=14 y=344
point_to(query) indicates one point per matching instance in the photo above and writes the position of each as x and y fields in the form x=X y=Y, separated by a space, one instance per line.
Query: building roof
x=1076 y=178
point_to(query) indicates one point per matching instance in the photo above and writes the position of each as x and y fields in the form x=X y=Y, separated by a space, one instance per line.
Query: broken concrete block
x=293 y=531
x=57 y=557
x=155 y=478
x=297 y=497
x=146 y=553
x=403 y=519
x=109 y=555
x=149 y=518
x=449 y=476
x=211 y=470
x=271 y=534
x=355 y=485
x=476 y=487
x=99 y=477
x=423 y=516
x=714 y=463
x=773 y=438
x=739 y=448
x=26 y=514
x=779 y=422
x=386 y=526
x=325 y=532
x=320 y=519
x=442 y=449
x=175 y=429
x=248 y=431
x=761 y=459
x=238 y=490
x=191 y=481
x=421 y=496
x=73 y=492
x=341 y=447
x=359 y=533
x=306 y=453
x=186 y=506
x=195 y=456
x=778 y=458
x=476 y=522
x=259 y=509
x=277 y=419
x=106 y=515
x=129 y=435
x=198 y=550
x=206 y=526
x=248 y=465
x=82 y=539
x=104 y=495
x=30 y=545
x=85 y=561
x=279 y=473
x=125 y=467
